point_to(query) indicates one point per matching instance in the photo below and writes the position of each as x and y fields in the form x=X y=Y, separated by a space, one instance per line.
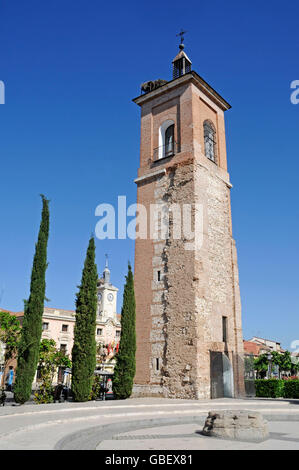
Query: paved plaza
x=144 y=423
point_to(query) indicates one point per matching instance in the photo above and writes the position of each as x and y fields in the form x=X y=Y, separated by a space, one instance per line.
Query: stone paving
x=144 y=423
x=283 y=435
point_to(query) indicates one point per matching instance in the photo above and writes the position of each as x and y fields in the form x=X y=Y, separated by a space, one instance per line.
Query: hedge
x=291 y=389
x=274 y=388
x=271 y=388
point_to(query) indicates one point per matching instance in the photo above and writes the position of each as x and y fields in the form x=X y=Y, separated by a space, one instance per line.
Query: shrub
x=96 y=388
x=45 y=393
x=291 y=389
x=272 y=388
x=50 y=359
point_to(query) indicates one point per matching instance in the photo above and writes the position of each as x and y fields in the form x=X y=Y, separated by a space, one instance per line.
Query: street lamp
x=269 y=357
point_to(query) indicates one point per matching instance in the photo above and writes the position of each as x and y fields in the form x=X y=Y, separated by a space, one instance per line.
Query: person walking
x=10 y=376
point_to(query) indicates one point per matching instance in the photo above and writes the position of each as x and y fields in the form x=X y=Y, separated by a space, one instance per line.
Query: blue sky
x=70 y=130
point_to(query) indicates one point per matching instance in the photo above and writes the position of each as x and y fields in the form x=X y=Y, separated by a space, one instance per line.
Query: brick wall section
x=144 y=252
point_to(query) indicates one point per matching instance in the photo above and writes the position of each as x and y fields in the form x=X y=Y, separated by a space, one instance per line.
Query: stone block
x=240 y=425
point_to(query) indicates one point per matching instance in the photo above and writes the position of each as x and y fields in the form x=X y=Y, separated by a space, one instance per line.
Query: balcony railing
x=165 y=151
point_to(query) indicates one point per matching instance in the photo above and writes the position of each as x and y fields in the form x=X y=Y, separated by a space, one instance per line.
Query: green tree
x=10 y=330
x=295 y=365
x=50 y=358
x=28 y=350
x=276 y=359
x=125 y=367
x=282 y=360
x=84 y=348
x=261 y=364
x=286 y=361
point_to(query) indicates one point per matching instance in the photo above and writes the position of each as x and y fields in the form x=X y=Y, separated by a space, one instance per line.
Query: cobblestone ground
x=152 y=424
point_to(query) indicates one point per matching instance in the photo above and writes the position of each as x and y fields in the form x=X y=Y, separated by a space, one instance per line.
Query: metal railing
x=165 y=151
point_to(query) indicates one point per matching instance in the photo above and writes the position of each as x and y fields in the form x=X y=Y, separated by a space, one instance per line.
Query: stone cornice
x=150 y=175
x=194 y=78
x=73 y=319
x=49 y=316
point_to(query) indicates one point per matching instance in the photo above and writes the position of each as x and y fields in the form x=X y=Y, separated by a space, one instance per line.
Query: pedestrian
x=2 y=397
x=9 y=381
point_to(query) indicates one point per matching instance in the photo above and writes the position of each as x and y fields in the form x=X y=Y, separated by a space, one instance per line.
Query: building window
x=64 y=328
x=166 y=140
x=63 y=348
x=117 y=333
x=159 y=275
x=157 y=364
x=169 y=141
x=210 y=140
x=99 y=331
x=224 y=329
x=45 y=326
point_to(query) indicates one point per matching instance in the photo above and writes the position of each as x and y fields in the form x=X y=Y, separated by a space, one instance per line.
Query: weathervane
x=182 y=38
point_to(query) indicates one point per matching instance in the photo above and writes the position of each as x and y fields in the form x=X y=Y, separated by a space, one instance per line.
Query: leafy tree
x=276 y=359
x=261 y=364
x=10 y=330
x=28 y=350
x=50 y=358
x=295 y=366
x=84 y=348
x=286 y=361
x=125 y=367
x=282 y=360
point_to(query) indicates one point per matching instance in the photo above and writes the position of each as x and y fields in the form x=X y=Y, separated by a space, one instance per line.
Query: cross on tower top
x=181 y=46
x=181 y=63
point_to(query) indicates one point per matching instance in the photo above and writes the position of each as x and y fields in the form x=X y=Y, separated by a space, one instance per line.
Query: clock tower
x=107 y=297
x=188 y=308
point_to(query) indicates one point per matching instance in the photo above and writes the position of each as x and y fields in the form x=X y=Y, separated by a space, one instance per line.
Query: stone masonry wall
x=195 y=290
x=178 y=340
x=217 y=293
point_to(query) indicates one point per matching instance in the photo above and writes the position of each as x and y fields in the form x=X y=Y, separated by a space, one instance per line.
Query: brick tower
x=188 y=309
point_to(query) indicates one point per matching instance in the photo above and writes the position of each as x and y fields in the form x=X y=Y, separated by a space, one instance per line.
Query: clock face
x=110 y=297
x=99 y=296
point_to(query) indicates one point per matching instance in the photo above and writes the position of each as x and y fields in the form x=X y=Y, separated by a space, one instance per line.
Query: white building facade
x=58 y=324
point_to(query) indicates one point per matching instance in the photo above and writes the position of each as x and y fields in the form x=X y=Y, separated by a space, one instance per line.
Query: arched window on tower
x=210 y=141
x=166 y=140
x=169 y=141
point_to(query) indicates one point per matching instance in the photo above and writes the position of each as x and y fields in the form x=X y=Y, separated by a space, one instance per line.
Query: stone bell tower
x=188 y=309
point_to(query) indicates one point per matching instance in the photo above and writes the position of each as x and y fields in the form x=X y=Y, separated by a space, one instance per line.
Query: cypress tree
x=125 y=367
x=84 y=348
x=28 y=350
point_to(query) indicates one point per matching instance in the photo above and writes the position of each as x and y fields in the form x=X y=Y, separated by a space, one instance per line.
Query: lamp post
x=103 y=355
x=269 y=357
